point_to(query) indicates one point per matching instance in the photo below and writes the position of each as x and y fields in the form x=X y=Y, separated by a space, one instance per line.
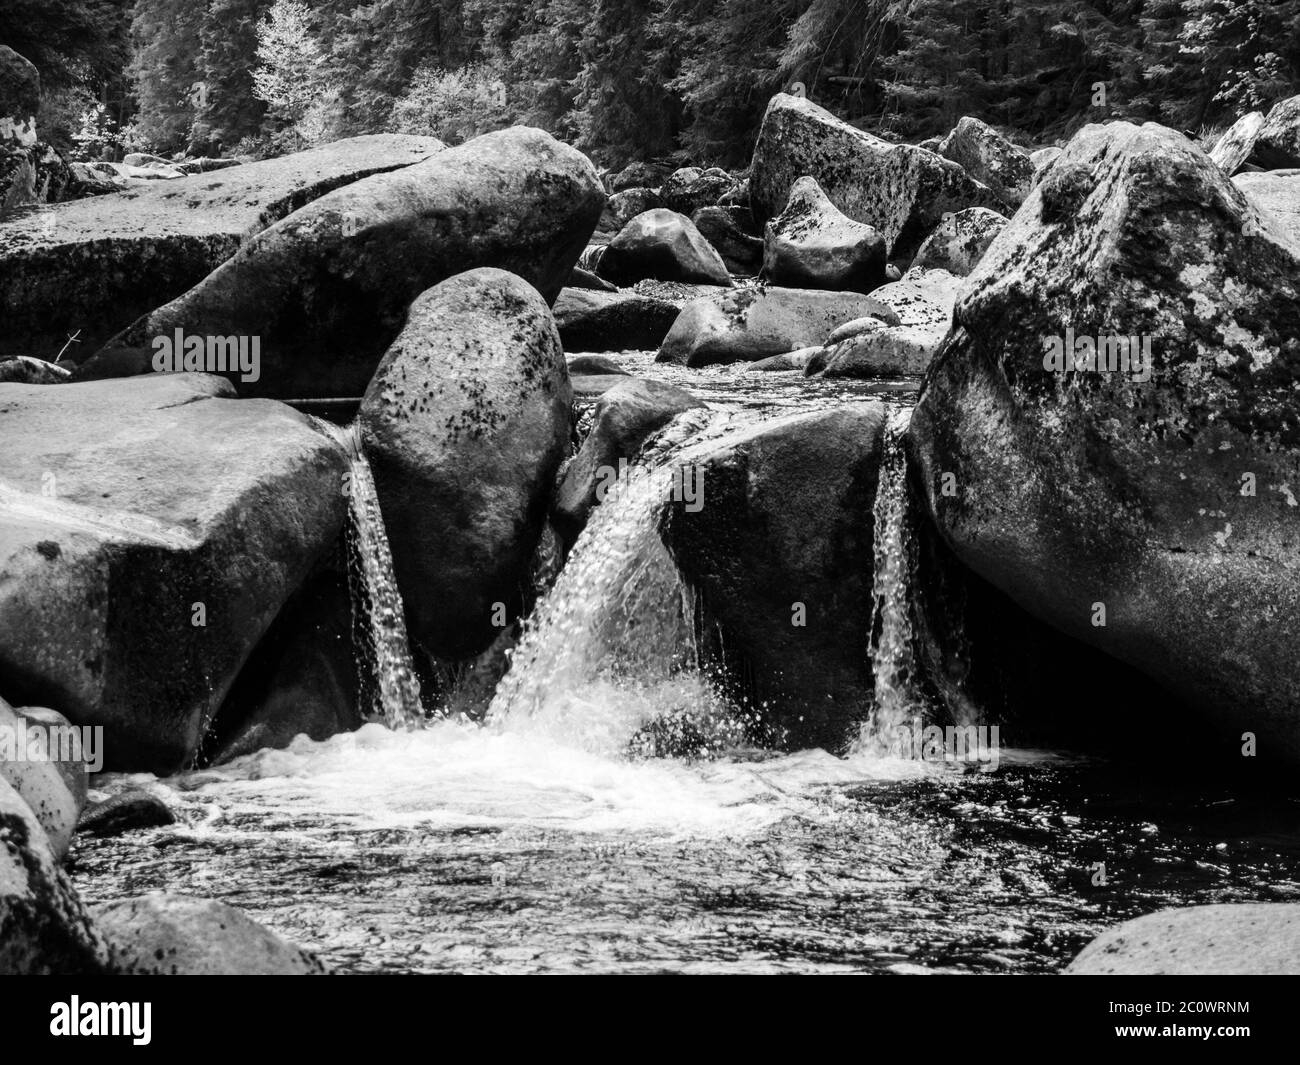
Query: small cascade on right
x=898 y=707
x=390 y=690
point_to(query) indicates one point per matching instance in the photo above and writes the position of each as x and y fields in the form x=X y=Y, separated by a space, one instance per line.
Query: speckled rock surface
x=812 y=244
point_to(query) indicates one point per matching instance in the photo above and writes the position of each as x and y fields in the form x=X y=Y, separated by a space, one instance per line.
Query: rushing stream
x=546 y=841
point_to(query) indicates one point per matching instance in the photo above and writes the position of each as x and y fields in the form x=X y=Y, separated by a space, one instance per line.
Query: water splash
x=898 y=705
x=389 y=686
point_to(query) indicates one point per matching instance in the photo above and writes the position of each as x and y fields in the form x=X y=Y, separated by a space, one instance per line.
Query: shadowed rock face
x=1277 y=144
x=123 y=504
x=327 y=289
x=97 y=265
x=466 y=422
x=663 y=245
x=1083 y=488
x=900 y=189
x=786 y=519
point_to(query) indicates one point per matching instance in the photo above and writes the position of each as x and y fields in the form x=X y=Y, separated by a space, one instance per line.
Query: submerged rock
x=812 y=244
x=327 y=289
x=1143 y=502
x=755 y=323
x=465 y=424
x=127 y=811
x=900 y=189
x=663 y=245
x=1258 y=938
x=161 y=934
x=780 y=554
x=91 y=267
x=150 y=532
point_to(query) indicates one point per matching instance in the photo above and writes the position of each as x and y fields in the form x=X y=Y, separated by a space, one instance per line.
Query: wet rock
x=42 y=760
x=626 y=416
x=812 y=244
x=780 y=555
x=1164 y=494
x=754 y=323
x=590 y=258
x=327 y=289
x=582 y=278
x=960 y=241
x=624 y=206
x=594 y=364
x=723 y=227
x=1233 y=151
x=611 y=321
x=791 y=360
x=465 y=423
x=173 y=935
x=1277 y=144
x=676 y=292
x=25 y=370
x=150 y=531
x=1258 y=938
x=108 y=265
x=900 y=189
x=665 y=246
x=690 y=188
x=990 y=159
x=588 y=387
x=43 y=928
x=127 y=811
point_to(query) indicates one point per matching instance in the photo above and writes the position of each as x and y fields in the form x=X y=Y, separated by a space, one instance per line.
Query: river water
x=542 y=841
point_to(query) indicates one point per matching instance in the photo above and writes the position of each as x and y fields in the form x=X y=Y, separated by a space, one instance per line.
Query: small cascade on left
x=390 y=689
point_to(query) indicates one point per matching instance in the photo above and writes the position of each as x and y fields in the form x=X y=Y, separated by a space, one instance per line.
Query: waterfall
x=389 y=687
x=897 y=704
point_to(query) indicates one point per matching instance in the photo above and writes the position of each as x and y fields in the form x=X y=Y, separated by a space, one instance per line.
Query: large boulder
x=1277 y=144
x=624 y=206
x=781 y=557
x=724 y=228
x=150 y=531
x=612 y=321
x=160 y=934
x=625 y=417
x=327 y=289
x=1245 y=939
x=465 y=423
x=990 y=159
x=1148 y=508
x=663 y=245
x=639 y=175
x=91 y=267
x=42 y=760
x=900 y=189
x=43 y=928
x=1233 y=151
x=923 y=303
x=753 y=323
x=687 y=190
x=960 y=241
x=812 y=244
x=1276 y=193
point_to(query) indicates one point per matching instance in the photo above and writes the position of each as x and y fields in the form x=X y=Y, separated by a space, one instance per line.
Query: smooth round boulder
x=812 y=244
x=465 y=424
x=663 y=245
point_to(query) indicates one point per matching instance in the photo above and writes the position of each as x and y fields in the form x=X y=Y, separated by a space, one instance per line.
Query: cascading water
x=897 y=704
x=389 y=684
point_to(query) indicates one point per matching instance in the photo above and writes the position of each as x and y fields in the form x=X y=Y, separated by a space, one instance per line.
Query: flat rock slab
x=95 y=265
x=1254 y=938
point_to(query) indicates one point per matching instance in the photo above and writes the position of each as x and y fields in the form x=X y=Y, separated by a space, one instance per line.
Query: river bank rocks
x=690 y=188
x=780 y=555
x=663 y=245
x=991 y=159
x=900 y=189
x=50 y=775
x=1259 y=938
x=624 y=206
x=161 y=934
x=44 y=929
x=812 y=244
x=465 y=423
x=726 y=229
x=91 y=267
x=960 y=241
x=754 y=323
x=327 y=289
x=1147 y=512
x=624 y=418
x=150 y=532
x=612 y=321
